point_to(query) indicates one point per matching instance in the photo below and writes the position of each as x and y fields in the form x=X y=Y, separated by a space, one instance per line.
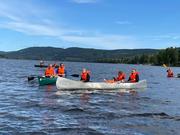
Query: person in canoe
x=49 y=72
x=55 y=66
x=41 y=63
x=170 y=73
x=134 y=76
x=61 y=70
x=120 y=78
x=85 y=75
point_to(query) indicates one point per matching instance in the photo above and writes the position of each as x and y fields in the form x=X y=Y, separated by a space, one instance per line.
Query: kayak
x=43 y=66
x=67 y=84
x=46 y=81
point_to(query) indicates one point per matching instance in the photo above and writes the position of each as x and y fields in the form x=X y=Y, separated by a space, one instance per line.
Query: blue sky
x=101 y=24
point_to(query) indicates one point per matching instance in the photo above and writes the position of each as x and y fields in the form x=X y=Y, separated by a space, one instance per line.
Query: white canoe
x=67 y=84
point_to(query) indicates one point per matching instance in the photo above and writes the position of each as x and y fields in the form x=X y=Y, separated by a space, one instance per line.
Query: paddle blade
x=75 y=75
x=30 y=78
x=164 y=65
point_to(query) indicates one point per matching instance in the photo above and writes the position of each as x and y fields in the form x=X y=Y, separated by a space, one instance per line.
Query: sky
x=100 y=24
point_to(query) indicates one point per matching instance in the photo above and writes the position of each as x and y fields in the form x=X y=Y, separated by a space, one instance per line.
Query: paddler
x=61 y=70
x=49 y=72
x=54 y=65
x=120 y=78
x=170 y=73
x=41 y=63
x=85 y=75
x=134 y=76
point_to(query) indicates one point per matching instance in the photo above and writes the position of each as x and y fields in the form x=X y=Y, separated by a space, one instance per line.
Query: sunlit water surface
x=27 y=108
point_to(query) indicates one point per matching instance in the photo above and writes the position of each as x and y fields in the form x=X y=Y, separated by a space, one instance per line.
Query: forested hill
x=2 y=54
x=75 y=54
x=169 y=56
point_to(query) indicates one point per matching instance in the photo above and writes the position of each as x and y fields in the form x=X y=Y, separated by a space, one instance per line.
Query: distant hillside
x=75 y=54
x=2 y=54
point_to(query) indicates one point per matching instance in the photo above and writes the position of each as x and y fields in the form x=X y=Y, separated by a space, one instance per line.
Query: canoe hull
x=47 y=81
x=43 y=66
x=66 y=84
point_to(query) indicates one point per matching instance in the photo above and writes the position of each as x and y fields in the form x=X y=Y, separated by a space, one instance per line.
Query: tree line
x=169 y=56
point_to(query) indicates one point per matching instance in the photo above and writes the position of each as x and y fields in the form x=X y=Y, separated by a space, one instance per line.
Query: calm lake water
x=27 y=108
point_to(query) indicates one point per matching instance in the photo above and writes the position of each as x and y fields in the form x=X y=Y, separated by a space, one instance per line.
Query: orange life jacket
x=121 y=77
x=133 y=77
x=49 y=71
x=84 y=76
x=61 y=70
x=170 y=73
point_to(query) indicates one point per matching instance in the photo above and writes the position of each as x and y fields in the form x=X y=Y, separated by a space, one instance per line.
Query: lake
x=27 y=108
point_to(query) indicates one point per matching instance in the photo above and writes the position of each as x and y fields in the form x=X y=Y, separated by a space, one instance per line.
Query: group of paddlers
x=54 y=70
x=133 y=77
x=51 y=70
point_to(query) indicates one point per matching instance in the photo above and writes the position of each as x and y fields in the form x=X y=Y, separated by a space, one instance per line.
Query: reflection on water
x=27 y=108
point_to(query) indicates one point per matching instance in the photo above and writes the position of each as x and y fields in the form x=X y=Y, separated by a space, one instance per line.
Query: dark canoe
x=178 y=75
x=43 y=66
x=46 y=81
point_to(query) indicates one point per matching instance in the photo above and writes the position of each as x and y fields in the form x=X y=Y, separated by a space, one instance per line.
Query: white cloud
x=26 y=20
x=166 y=37
x=84 y=1
x=43 y=26
x=31 y=29
x=123 y=22
x=103 y=41
x=77 y=37
x=9 y=16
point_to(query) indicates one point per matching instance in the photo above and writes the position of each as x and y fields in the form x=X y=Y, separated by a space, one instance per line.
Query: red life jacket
x=49 y=72
x=61 y=70
x=121 y=77
x=170 y=73
x=133 y=77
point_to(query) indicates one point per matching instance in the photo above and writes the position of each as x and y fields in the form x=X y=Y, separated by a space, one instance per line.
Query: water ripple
x=27 y=108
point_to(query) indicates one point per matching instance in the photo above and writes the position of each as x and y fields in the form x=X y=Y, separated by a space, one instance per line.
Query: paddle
x=75 y=75
x=164 y=65
x=30 y=78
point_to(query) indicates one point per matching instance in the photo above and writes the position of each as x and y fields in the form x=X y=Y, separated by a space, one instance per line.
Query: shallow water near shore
x=27 y=108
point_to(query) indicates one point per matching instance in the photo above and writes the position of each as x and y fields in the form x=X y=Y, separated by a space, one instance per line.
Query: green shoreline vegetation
x=169 y=56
